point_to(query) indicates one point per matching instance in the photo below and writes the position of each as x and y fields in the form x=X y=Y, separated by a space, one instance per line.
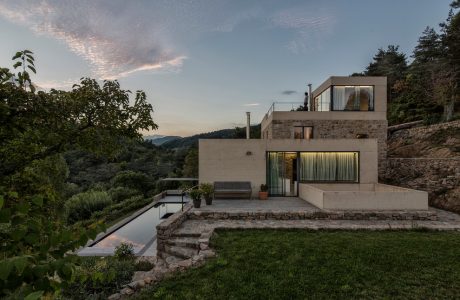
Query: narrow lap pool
x=140 y=231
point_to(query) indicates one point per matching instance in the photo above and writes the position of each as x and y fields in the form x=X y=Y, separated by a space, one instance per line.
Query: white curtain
x=329 y=166
x=338 y=97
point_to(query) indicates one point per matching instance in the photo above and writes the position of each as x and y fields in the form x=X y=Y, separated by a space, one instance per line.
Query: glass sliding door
x=282 y=173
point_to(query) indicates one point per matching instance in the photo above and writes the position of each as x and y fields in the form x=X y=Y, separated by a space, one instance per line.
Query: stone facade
x=334 y=129
x=440 y=177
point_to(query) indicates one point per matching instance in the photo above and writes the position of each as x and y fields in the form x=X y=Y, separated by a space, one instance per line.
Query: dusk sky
x=204 y=63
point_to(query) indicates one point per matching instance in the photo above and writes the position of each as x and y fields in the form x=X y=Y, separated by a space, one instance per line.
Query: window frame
x=358 y=167
x=331 y=95
x=303 y=132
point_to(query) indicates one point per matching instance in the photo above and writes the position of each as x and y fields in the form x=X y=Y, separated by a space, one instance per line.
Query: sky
x=204 y=63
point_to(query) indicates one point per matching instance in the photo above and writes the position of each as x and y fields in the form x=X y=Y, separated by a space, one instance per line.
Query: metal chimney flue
x=248 y=125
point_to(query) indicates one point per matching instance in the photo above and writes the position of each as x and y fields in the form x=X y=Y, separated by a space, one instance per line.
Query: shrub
x=82 y=206
x=98 y=278
x=143 y=265
x=124 y=251
x=120 y=193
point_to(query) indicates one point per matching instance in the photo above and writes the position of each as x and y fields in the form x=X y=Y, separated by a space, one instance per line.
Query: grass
x=299 y=264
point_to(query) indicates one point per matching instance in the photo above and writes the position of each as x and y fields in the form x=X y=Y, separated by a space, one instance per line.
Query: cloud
x=251 y=104
x=288 y=92
x=119 y=38
x=116 y=38
x=308 y=24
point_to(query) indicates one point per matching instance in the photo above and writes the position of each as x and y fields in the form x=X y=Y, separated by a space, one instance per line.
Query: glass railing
x=285 y=106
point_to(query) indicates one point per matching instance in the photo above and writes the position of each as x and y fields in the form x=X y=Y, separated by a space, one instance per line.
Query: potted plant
x=263 y=193
x=195 y=194
x=208 y=192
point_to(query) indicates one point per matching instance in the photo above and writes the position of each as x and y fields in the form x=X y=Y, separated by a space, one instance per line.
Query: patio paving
x=284 y=204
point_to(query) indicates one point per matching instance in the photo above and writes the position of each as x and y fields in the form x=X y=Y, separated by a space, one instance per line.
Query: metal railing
x=184 y=192
x=283 y=106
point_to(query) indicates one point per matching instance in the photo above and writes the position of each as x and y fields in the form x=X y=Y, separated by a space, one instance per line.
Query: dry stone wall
x=440 y=177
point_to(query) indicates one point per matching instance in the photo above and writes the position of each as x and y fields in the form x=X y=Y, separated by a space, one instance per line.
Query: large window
x=345 y=98
x=329 y=166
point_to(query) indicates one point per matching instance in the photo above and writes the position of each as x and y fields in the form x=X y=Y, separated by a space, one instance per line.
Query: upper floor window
x=303 y=132
x=345 y=98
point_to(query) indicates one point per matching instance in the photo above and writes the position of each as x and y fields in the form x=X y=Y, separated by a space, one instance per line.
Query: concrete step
x=188 y=242
x=182 y=252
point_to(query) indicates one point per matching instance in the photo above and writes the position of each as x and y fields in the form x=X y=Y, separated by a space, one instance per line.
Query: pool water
x=140 y=232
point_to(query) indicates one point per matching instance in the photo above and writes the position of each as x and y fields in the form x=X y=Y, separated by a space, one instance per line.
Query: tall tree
x=391 y=63
x=448 y=81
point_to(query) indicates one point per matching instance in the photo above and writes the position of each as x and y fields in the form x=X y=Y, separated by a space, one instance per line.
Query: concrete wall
x=368 y=197
x=229 y=160
x=245 y=160
x=379 y=83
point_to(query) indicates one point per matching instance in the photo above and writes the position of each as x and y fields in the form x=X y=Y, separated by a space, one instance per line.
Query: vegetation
x=99 y=277
x=36 y=132
x=207 y=190
x=81 y=206
x=124 y=251
x=298 y=264
x=428 y=87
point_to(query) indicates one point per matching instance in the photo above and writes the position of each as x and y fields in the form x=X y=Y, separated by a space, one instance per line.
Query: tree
x=448 y=81
x=35 y=128
x=190 y=168
x=390 y=63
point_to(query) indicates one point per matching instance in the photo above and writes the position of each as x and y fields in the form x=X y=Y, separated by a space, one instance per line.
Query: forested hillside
x=425 y=85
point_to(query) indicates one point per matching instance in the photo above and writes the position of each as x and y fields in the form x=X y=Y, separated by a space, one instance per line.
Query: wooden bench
x=232 y=189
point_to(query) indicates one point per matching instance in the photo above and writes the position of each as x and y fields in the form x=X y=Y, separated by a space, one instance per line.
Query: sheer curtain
x=329 y=166
x=338 y=96
x=275 y=164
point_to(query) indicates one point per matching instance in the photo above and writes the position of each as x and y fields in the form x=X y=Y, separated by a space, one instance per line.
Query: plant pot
x=196 y=203
x=208 y=200
x=263 y=195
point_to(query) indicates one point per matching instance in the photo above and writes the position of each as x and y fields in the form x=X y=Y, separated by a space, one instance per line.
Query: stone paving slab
x=285 y=204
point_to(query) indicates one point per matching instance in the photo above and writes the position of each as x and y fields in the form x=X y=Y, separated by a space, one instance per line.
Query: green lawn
x=296 y=264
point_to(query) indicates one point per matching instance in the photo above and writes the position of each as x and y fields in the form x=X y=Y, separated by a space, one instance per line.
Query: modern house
x=328 y=152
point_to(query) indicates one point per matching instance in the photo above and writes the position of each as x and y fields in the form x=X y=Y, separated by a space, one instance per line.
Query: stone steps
x=181 y=252
x=185 y=234
x=187 y=242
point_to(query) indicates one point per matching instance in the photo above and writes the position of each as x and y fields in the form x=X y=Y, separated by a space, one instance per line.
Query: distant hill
x=161 y=139
x=192 y=141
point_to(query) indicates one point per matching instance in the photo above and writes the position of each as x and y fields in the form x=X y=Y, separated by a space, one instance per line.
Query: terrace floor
x=279 y=204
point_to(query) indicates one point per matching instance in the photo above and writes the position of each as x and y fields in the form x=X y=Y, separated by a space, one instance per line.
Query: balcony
x=293 y=111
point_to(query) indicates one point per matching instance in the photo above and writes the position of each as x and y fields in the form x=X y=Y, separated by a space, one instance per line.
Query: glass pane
x=366 y=98
x=298 y=132
x=308 y=133
x=275 y=173
x=338 y=97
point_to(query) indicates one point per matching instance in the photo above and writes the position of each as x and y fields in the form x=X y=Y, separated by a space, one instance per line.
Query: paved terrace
x=281 y=204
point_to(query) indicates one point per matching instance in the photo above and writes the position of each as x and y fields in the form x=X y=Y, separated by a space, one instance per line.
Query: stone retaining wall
x=440 y=177
x=315 y=215
x=167 y=227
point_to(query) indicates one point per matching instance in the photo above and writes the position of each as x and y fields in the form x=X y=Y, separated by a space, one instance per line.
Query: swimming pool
x=139 y=231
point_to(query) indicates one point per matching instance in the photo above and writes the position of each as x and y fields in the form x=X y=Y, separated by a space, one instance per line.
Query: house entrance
x=282 y=175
